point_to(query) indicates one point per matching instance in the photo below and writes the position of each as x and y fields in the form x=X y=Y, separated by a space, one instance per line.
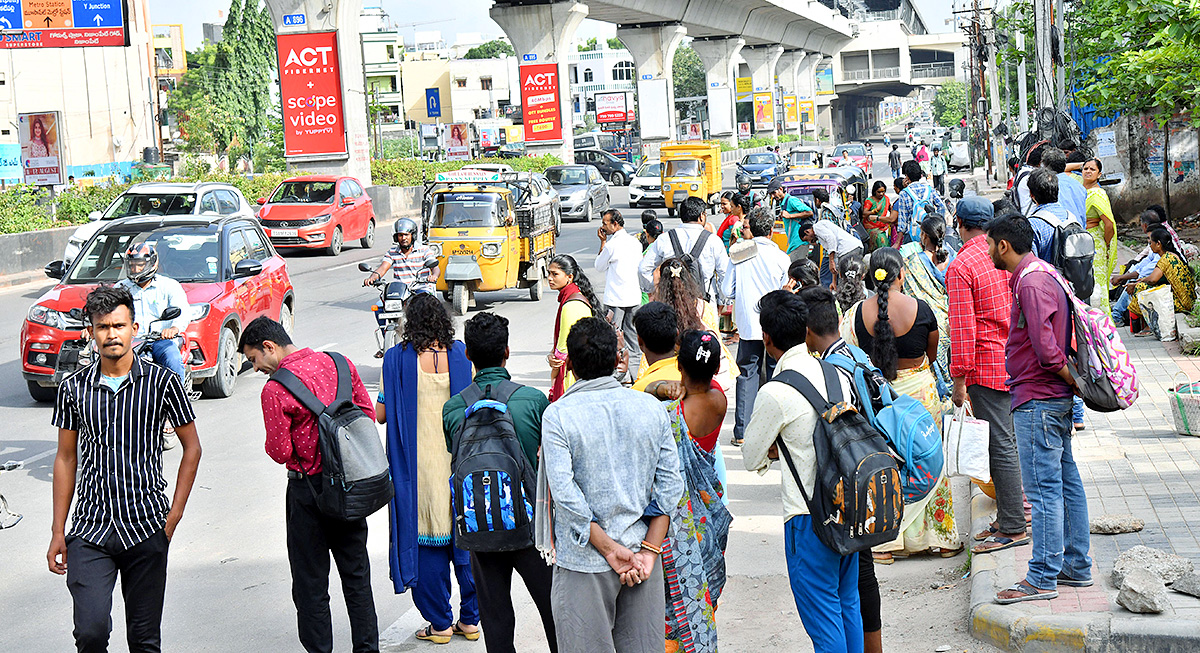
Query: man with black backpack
x=824 y=579
x=493 y=559
x=293 y=439
x=699 y=249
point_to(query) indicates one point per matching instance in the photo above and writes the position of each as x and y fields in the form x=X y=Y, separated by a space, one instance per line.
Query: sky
x=465 y=16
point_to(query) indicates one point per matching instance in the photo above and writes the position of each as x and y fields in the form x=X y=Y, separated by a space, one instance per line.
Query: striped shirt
x=409 y=268
x=121 y=486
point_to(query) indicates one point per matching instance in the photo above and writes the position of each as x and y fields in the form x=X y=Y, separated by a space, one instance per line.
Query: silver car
x=583 y=193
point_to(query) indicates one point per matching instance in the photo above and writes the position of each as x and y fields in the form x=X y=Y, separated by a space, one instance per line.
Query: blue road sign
x=290 y=20
x=433 y=103
x=97 y=13
x=10 y=15
x=647 y=76
x=529 y=57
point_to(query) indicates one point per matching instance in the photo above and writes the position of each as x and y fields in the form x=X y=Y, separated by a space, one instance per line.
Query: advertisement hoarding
x=720 y=111
x=63 y=24
x=612 y=107
x=745 y=87
x=764 y=111
x=807 y=114
x=541 y=102
x=791 y=117
x=458 y=142
x=310 y=89
x=695 y=132
x=655 y=108
x=38 y=135
x=825 y=79
x=489 y=136
x=743 y=130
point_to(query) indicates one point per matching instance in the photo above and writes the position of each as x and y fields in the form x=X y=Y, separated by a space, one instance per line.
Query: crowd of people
x=626 y=512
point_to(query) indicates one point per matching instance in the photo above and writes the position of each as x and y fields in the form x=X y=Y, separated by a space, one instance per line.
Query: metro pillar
x=761 y=61
x=543 y=34
x=719 y=56
x=653 y=50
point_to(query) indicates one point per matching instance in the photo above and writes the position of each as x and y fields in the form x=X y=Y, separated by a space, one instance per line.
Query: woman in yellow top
x=576 y=300
x=1171 y=269
x=1103 y=227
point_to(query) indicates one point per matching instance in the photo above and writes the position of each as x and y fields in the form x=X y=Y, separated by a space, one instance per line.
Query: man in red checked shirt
x=311 y=537
x=980 y=303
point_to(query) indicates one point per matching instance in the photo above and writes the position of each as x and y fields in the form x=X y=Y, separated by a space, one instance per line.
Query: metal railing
x=891 y=72
x=937 y=69
x=856 y=75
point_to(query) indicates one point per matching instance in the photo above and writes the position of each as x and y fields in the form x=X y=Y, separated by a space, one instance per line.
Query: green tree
x=490 y=50
x=689 y=73
x=950 y=103
x=591 y=45
x=615 y=44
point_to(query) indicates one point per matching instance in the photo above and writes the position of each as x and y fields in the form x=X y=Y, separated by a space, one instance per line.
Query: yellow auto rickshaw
x=805 y=158
x=690 y=169
x=490 y=231
x=847 y=188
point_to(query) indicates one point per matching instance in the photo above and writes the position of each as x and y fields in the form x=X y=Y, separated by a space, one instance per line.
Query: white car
x=490 y=167
x=645 y=189
x=163 y=198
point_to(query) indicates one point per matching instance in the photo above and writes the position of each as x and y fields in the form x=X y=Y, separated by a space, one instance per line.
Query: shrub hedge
x=409 y=172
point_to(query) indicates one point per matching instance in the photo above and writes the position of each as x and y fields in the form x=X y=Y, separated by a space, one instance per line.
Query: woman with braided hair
x=576 y=300
x=925 y=264
x=900 y=333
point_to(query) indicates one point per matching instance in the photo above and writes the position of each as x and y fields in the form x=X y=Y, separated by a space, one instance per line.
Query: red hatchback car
x=228 y=269
x=853 y=154
x=318 y=212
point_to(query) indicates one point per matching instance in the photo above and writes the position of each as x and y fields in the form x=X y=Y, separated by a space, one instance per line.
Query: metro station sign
x=310 y=89
x=62 y=23
x=541 y=102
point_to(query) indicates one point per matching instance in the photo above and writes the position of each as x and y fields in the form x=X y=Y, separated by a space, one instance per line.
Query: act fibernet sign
x=310 y=86
x=62 y=23
x=541 y=100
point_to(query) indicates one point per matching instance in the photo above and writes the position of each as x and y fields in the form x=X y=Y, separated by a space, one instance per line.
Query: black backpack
x=1072 y=253
x=691 y=260
x=492 y=483
x=355 y=477
x=858 y=500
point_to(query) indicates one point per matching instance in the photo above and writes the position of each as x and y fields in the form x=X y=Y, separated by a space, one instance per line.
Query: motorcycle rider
x=744 y=187
x=408 y=260
x=154 y=293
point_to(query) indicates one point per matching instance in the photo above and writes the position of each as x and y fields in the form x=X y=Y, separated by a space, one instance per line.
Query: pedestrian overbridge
x=777 y=39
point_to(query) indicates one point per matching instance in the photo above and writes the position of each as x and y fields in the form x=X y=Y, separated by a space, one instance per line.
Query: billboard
x=541 y=102
x=764 y=111
x=694 y=131
x=791 y=117
x=489 y=136
x=458 y=142
x=38 y=135
x=63 y=23
x=310 y=91
x=745 y=87
x=743 y=130
x=655 y=109
x=824 y=77
x=612 y=107
x=808 y=114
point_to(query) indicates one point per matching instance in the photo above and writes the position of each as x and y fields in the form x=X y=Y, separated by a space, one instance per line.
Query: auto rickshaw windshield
x=465 y=210
x=802 y=158
x=683 y=168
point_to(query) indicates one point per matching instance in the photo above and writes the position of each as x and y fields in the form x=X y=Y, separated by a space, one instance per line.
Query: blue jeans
x=166 y=353
x=825 y=586
x=1121 y=308
x=1077 y=410
x=1054 y=488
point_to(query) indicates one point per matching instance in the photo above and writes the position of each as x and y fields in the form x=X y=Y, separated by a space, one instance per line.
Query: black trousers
x=868 y=593
x=311 y=537
x=91 y=575
x=493 y=585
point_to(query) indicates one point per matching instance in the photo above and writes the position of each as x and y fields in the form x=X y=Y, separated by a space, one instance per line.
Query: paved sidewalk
x=1132 y=462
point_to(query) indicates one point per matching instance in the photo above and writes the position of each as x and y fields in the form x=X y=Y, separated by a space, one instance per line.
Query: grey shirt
x=608 y=452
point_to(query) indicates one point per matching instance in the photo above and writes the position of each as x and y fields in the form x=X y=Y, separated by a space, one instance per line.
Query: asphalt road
x=229 y=584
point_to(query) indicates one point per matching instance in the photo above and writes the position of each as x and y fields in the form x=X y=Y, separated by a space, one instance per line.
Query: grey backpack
x=355 y=478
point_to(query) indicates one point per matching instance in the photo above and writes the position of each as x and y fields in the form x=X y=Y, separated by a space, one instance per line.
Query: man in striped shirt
x=410 y=262
x=110 y=418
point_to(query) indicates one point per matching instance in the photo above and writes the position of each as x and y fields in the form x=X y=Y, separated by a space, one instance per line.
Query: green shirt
x=526 y=406
x=793 y=204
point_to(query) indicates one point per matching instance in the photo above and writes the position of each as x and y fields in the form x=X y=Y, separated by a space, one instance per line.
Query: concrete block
x=1112 y=524
x=1167 y=566
x=1132 y=634
x=1188 y=334
x=1188 y=584
x=1142 y=591
x=30 y=251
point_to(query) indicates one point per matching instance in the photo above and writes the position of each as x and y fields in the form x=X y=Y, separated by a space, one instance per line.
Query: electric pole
x=1022 y=88
x=1044 y=78
x=996 y=152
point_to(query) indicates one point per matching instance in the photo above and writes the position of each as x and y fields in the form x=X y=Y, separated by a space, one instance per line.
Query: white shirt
x=714 y=261
x=833 y=238
x=781 y=412
x=619 y=260
x=156 y=297
x=748 y=281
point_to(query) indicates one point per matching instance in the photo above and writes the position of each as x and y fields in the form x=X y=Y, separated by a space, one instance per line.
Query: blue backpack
x=903 y=421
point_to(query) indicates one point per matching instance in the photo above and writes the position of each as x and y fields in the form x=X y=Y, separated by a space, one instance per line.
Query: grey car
x=614 y=169
x=582 y=192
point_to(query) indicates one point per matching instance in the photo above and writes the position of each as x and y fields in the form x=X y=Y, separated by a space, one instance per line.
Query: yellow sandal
x=471 y=636
x=428 y=635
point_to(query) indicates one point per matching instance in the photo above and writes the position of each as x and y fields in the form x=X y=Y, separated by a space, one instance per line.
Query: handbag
x=1158 y=309
x=966 y=441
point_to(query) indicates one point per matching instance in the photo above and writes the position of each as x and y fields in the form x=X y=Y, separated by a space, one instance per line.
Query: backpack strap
x=801 y=384
x=698 y=246
x=345 y=393
x=294 y=385
x=675 y=244
x=503 y=391
x=471 y=394
x=787 y=457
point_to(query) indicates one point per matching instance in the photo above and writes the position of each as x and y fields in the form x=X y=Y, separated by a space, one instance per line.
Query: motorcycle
x=143 y=347
x=389 y=311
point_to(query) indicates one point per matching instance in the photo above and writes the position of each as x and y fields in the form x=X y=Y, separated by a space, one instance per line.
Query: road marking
x=326 y=347
x=346 y=265
x=580 y=251
x=33 y=459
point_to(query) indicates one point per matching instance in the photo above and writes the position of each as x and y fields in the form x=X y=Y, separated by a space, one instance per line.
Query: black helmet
x=147 y=255
x=404 y=226
x=743 y=183
x=957 y=186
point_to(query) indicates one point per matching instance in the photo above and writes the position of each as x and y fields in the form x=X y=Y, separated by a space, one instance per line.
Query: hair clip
x=706 y=338
x=675 y=272
x=703 y=355
x=880 y=274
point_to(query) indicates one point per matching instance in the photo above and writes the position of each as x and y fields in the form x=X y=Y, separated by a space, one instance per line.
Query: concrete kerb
x=1012 y=628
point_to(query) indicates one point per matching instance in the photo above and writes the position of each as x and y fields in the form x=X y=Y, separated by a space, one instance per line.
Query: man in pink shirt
x=311 y=536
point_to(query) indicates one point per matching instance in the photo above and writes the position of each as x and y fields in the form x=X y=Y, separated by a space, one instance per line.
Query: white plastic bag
x=966 y=440
x=1158 y=309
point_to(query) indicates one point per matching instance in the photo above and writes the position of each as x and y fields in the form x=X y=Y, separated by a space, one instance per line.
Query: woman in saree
x=925 y=266
x=877 y=218
x=900 y=333
x=1103 y=227
x=576 y=300
x=1171 y=269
